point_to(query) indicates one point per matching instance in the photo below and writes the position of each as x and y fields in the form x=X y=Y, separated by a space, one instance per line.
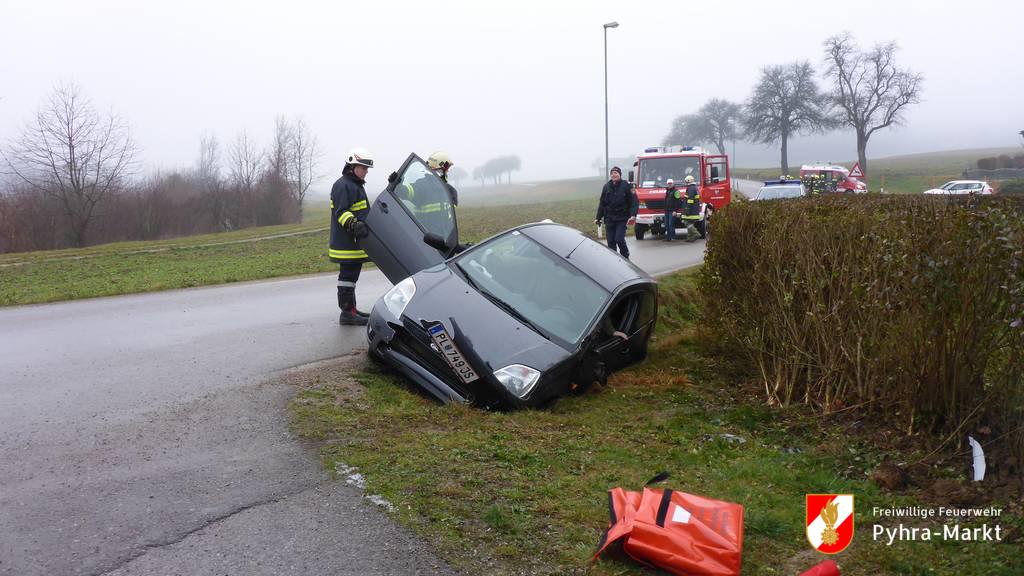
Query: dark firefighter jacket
x=672 y=200
x=616 y=202
x=348 y=200
x=691 y=206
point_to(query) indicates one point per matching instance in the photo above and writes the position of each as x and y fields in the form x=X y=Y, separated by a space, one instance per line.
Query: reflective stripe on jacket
x=691 y=206
x=348 y=201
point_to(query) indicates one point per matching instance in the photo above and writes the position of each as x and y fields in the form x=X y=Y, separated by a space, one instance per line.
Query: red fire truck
x=656 y=165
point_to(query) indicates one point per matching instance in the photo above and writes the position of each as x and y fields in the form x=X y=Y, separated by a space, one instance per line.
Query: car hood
x=479 y=328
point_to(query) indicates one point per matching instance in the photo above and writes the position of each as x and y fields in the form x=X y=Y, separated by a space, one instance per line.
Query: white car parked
x=962 y=187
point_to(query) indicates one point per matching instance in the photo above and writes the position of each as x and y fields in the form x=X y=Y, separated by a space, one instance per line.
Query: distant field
x=314 y=218
x=908 y=174
x=531 y=192
x=251 y=254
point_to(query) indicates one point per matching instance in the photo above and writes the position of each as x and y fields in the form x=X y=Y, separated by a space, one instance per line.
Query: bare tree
x=245 y=163
x=870 y=91
x=208 y=167
x=211 y=186
x=72 y=153
x=302 y=158
x=277 y=155
x=786 y=102
x=716 y=123
x=457 y=174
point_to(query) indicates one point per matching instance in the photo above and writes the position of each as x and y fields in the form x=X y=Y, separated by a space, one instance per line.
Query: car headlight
x=399 y=296
x=518 y=379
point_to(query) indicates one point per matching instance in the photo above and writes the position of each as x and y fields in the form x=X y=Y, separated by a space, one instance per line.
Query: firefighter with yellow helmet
x=349 y=207
x=691 y=209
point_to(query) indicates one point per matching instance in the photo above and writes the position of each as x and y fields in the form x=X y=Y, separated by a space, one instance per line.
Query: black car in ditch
x=521 y=318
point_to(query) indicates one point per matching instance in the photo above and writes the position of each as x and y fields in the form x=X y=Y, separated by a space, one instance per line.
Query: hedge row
x=909 y=308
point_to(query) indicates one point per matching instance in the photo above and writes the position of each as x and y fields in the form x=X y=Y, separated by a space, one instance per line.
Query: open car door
x=412 y=210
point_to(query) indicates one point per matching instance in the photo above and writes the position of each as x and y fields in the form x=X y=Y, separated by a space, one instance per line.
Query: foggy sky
x=482 y=79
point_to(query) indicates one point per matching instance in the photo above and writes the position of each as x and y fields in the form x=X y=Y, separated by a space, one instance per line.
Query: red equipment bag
x=675 y=531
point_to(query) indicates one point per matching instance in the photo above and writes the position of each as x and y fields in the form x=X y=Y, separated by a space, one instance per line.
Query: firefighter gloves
x=357 y=228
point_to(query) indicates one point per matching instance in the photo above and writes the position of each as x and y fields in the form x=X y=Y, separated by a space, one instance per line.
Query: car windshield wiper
x=502 y=304
x=511 y=310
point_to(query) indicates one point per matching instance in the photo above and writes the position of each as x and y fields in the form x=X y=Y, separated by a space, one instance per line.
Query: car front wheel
x=639 y=231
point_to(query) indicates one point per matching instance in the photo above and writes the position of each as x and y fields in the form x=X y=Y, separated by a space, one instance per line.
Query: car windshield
x=774 y=192
x=552 y=294
x=654 y=172
x=948 y=185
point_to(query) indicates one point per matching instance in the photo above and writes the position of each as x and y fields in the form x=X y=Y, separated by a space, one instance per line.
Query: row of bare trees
x=868 y=92
x=497 y=167
x=71 y=178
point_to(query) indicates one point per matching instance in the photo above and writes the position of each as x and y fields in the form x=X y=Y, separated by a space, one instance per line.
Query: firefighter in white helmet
x=349 y=207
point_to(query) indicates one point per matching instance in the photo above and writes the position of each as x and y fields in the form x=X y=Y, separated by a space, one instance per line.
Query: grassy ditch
x=524 y=492
x=252 y=254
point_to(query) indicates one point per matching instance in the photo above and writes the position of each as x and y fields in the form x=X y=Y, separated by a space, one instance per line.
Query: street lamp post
x=606 y=27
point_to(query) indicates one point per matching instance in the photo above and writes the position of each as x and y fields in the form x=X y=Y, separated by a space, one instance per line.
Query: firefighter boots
x=350 y=316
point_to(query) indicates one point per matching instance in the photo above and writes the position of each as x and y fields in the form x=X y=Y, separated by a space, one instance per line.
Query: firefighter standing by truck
x=349 y=207
x=691 y=209
x=672 y=203
x=616 y=208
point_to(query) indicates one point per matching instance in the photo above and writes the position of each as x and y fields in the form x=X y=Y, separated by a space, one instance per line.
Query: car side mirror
x=630 y=177
x=435 y=241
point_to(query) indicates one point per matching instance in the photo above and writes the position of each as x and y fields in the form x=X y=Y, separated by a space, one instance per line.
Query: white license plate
x=451 y=353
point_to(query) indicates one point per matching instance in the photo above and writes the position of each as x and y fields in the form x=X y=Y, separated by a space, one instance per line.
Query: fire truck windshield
x=654 y=172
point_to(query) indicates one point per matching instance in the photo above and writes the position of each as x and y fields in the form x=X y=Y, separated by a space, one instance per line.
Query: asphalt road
x=144 y=435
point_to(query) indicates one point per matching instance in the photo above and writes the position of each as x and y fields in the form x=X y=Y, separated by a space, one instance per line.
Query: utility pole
x=606 y=27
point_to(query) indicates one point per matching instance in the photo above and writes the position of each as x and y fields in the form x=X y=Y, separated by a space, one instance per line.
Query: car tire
x=639 y=231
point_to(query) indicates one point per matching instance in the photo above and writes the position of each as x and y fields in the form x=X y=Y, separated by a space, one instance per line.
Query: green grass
x=251 y=254
x=524 y=492
x=907 y=174
x=532 y=192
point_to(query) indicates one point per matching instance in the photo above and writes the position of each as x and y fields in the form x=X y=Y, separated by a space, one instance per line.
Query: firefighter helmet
x=689 y=179
x=360 y=156
x=439 y=161
x=670 y=182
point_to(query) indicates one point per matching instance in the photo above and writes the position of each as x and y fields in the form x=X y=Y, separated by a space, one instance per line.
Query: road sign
x=856 y=173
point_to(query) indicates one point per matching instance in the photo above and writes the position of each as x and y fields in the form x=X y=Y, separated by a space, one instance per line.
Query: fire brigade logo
x=830 y=522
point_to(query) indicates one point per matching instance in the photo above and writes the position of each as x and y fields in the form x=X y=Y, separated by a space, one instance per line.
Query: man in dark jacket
x=349 y=207
x=691 y=209
x=615 y=208
x=672 y=203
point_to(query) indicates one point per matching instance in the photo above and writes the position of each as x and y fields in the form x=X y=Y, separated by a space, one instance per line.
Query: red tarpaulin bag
x=675 y=531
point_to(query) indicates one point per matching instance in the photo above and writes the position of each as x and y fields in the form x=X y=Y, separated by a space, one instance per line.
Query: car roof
x=782 y=182
x=966 y=182
x=602 y=265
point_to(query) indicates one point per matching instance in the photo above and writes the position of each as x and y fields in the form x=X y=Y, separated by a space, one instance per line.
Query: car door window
x=425 y=196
